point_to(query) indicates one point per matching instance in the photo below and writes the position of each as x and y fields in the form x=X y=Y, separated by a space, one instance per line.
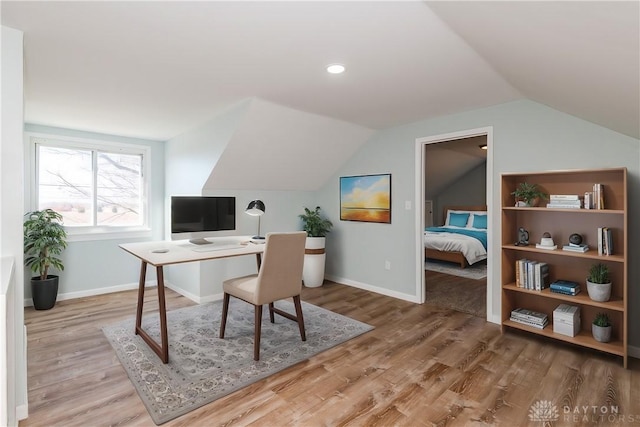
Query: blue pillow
x=479 y=221
x=458 y=219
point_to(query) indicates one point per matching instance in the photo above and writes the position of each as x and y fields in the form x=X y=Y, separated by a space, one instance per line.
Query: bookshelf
x=573 y=266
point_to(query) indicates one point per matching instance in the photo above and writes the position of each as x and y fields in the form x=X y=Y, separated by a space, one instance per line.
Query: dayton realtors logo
x=545 y=411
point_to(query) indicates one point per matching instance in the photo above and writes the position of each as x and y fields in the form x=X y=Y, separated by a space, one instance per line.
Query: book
x=565 y=205
x=553 y=197
x=564 y=291
x=565 y=284
x=566 y=287
x=576 y=248
x=598 y=196
x=541 y=276
x=530 y=315
x=549 y=248
x=528 y=323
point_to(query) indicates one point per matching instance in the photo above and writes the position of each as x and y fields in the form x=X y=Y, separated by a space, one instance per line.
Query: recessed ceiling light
x=335 y=68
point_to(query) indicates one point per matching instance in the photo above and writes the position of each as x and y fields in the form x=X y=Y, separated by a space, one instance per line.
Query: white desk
x=177 y=252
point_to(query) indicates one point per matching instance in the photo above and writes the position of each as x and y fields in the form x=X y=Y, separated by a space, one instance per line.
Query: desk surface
x=180 y=251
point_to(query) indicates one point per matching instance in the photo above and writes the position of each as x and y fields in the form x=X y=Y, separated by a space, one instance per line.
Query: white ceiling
x=157 y=69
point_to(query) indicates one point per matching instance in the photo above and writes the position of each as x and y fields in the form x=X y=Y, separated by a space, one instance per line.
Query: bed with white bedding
x=463 y=237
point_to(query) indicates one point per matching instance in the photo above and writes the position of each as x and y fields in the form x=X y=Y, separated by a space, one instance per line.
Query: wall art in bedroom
x=366 y=198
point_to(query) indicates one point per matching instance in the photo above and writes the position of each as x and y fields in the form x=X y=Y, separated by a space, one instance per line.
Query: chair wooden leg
x=258 y=327
x=296 y=302
x=225 y=310
x=271 y=315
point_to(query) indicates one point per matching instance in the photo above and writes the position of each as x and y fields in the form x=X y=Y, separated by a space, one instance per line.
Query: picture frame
x=366 y=198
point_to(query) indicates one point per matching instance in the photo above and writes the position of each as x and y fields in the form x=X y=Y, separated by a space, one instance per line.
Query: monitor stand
x=200 y=241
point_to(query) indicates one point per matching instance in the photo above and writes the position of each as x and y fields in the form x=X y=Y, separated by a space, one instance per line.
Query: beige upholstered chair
x=280 y=277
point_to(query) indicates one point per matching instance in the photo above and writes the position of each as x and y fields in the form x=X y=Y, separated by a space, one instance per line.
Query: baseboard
x=634 y=352
x=22 y=412
x=28 y=302
x=195 y=298
x=376 y=289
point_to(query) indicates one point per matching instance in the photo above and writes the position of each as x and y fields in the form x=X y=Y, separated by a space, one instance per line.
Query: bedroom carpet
x=457 y=293
x=203 y=368
x=478 y=271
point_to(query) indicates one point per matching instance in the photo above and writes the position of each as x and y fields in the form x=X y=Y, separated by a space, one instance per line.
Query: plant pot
x=601 y=333
x=314 y=260
x=44 y=292
x=599 y=291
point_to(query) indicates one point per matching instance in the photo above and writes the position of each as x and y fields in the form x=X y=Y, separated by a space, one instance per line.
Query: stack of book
x=583 y=247
x=605 y=241
x=532 y=275
x=598 y=196
x=564 y=201
x=529 y=318
x=565 y=287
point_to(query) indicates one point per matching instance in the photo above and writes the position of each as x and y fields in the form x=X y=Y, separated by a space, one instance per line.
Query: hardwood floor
x=421 y=366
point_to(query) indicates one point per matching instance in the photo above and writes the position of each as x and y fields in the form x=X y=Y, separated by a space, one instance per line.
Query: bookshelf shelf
x=566 y=265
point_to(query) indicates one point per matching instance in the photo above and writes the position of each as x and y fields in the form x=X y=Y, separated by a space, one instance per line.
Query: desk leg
x=161 y=350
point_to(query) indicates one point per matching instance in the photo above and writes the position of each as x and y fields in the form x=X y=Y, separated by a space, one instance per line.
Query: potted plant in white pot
x=528 y=194
x=317 y=228
x=44 y=239
x=598 y=282
x=601 y=328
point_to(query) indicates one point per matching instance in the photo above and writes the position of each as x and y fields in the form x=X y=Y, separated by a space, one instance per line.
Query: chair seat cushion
x=243 y=288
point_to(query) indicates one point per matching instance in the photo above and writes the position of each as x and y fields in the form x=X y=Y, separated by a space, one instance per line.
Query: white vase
x=599 y=291
x=314 y=260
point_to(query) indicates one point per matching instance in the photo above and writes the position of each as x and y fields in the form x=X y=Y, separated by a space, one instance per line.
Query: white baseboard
x=376 y=289
x=28 y=302
x=195 y=298
x=22 y=412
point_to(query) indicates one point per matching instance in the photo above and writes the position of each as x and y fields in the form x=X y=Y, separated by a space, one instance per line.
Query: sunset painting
x=366 y=198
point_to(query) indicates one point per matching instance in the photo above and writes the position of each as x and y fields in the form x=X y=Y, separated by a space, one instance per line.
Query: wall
x=99 y=266
x=190 y=159
x=470 y=189
x=524 y=133
x=11 y=209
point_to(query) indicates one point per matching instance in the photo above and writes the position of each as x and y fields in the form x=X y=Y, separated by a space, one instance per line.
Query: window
x=97 y=187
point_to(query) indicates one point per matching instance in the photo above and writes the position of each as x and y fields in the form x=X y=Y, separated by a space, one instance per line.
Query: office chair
x=280 y=277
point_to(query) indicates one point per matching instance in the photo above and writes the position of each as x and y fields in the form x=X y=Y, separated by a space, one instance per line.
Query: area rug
x=203 y=368
x=477 y=271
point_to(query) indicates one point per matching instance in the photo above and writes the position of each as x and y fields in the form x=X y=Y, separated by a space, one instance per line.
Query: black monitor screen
x=192 y=213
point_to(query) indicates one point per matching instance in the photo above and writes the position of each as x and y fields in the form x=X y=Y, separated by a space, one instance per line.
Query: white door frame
x=419 y=201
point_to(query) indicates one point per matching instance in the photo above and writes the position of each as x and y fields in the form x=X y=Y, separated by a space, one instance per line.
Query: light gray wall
x=11 y=209
x=190 y=158
x=526 y=137
x=469 y=189
x=91 y=266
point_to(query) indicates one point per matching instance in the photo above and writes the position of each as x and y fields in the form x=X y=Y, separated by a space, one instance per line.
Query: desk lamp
x=256 y=208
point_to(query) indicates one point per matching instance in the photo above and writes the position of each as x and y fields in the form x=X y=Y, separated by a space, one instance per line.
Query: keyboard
x=214 y=247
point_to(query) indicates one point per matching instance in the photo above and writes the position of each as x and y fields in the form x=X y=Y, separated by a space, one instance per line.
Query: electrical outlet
x=387 y=265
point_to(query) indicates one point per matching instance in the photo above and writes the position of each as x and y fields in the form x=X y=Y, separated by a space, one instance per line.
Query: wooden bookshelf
x=561 y=223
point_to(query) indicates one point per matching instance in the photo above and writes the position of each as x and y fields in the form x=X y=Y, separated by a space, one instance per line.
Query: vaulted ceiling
x=157 y=69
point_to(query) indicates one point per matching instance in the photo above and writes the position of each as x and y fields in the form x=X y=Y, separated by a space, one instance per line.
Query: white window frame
x=103 y=232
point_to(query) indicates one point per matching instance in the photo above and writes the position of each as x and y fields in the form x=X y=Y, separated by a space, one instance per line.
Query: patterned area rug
x=477 y=271
x=203 y=368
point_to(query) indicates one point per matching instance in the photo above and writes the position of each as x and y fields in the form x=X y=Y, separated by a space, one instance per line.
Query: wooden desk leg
x=161 y=350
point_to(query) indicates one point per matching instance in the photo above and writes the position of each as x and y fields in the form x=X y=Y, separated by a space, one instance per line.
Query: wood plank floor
x=421 y=366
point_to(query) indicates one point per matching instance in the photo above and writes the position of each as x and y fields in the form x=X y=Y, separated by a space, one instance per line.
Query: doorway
x=486 y=135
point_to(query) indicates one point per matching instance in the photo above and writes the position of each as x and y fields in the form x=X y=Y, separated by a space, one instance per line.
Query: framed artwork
x=366 y=198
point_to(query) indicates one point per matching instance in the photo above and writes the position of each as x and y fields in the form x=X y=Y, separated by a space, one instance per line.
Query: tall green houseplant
x=44 y=239
x=314 y=224
x=317 y=228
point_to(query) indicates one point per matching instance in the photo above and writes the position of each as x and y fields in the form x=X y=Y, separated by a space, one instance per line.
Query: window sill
x=106 y=234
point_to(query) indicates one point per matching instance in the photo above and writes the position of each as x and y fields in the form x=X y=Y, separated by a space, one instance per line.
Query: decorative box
x=566 y=320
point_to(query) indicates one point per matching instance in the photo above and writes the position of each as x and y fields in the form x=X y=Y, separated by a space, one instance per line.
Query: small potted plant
x=528 y=194
x=601 y=328
x=44 y=239
x=317 y=228
x=599 y=283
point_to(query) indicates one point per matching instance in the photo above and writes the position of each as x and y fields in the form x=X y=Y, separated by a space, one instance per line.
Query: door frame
x=421 y=143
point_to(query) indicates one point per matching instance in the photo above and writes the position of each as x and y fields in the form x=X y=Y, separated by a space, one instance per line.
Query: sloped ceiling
x=303 y=150
x=155 y=70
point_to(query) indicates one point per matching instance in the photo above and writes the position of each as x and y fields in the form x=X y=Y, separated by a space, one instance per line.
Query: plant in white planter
x=601 y=328
x=317 y=228
x=44 y=238
x=598 y=283
x=528 y=194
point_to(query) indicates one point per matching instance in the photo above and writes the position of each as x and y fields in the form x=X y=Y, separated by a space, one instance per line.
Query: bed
x=463 y=237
